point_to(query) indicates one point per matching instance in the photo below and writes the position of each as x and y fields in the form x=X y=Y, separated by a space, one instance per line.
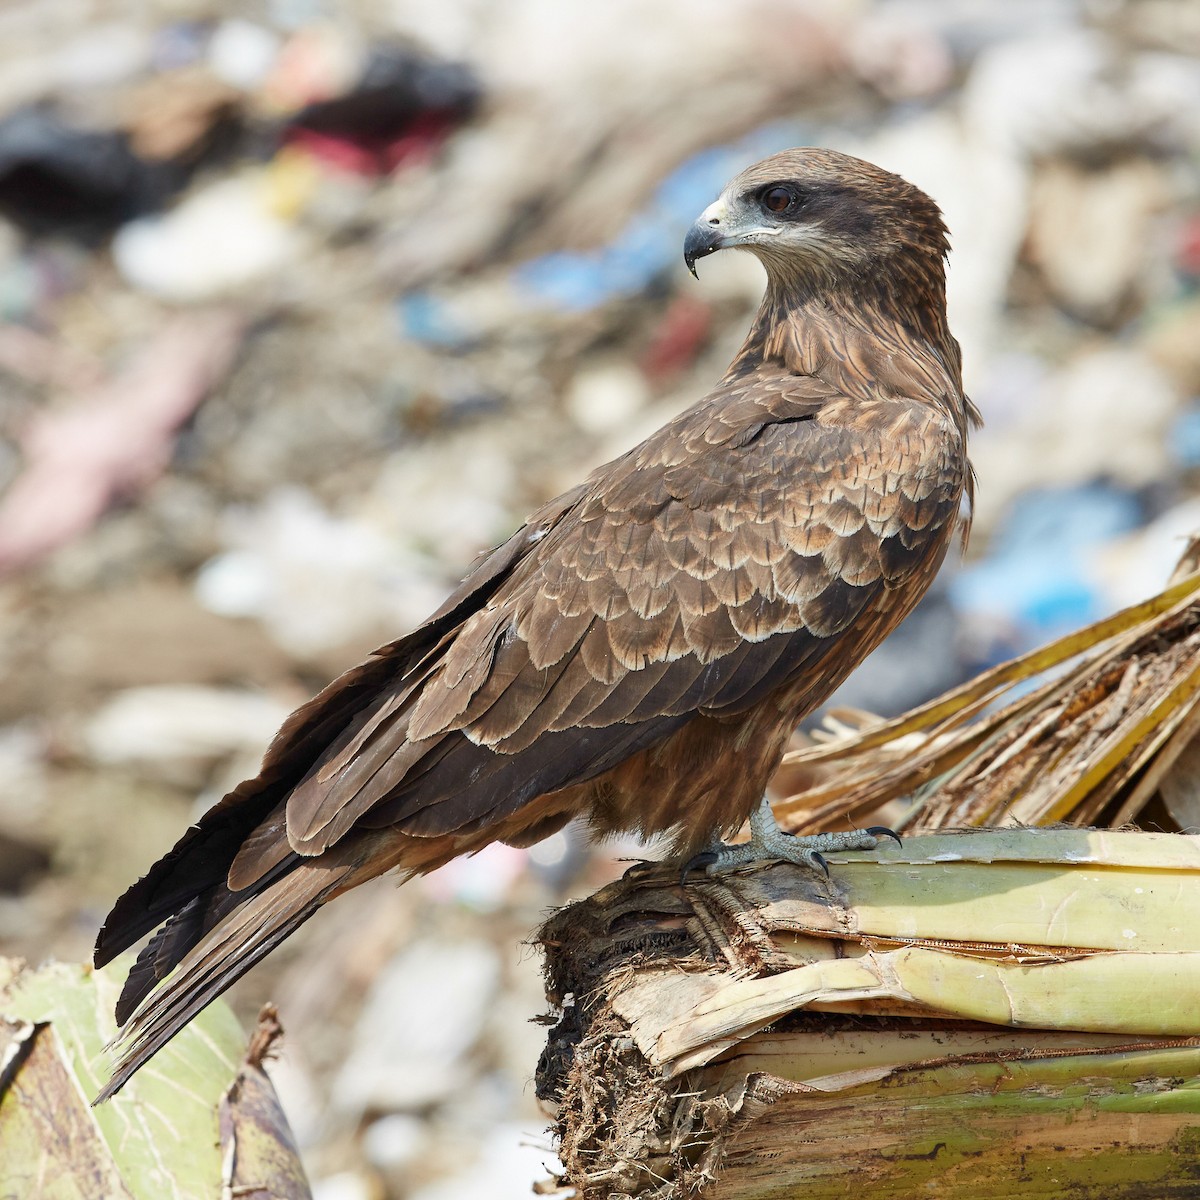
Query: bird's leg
x=768 y=841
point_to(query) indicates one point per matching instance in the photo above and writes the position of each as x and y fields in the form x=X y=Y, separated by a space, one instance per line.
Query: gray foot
x=768 y=841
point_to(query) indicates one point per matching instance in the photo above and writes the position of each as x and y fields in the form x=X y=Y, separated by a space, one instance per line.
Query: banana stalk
x=985 y=1014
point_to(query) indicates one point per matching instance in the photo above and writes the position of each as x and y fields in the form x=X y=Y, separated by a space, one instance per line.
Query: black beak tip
x=702 y=240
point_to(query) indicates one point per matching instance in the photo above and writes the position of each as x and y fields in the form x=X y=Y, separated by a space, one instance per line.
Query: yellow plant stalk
x=1089 y=745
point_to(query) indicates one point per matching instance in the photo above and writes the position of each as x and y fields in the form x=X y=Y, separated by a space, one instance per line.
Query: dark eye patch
x=842 y=211
x=838 y=210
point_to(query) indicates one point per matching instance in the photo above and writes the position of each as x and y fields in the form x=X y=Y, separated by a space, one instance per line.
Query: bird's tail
x=247 y=927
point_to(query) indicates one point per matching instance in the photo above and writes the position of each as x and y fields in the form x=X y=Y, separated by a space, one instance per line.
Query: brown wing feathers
x=606 y=635
x=754 y=549
x=202 y=856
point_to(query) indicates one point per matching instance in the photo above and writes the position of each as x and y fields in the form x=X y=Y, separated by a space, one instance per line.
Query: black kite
x=639 y=652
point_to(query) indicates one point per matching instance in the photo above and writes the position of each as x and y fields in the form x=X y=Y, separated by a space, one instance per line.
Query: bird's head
x=816 y=216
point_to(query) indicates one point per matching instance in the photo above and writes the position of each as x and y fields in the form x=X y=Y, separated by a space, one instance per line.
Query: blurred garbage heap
x=301 y=309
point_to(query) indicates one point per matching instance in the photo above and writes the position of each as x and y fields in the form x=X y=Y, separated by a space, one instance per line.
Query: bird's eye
x=779 y=199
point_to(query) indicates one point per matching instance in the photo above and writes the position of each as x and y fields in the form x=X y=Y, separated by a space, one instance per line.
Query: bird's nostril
x=714 y=220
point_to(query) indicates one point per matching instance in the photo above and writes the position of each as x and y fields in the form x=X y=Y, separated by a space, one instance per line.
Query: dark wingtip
x=112 y=937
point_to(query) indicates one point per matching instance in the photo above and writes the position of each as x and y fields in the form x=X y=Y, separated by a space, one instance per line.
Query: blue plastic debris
x=1036 y=576
x=1184 y=439
x=426 y=318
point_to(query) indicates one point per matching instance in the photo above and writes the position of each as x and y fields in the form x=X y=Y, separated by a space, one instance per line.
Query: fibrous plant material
x=1090 y=745
x=970 y=1014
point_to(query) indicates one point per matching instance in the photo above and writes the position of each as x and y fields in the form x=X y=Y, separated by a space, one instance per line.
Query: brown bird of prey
x=640 y=650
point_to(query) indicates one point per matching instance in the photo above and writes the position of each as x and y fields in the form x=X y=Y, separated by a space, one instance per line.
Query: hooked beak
x=706 y=236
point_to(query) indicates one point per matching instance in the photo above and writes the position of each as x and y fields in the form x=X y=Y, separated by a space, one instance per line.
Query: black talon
x=819 y=859
x=884 y=831
x=704 y=859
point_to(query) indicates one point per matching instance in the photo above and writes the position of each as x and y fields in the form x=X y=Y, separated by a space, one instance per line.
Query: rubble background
x=303 y=303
